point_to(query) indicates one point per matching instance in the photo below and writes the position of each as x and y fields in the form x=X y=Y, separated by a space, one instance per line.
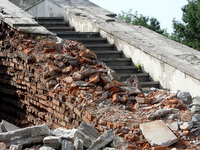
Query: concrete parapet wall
x=174 y=65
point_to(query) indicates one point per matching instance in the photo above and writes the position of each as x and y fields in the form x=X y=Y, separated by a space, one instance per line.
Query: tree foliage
x=138 y=19
x=188 y=31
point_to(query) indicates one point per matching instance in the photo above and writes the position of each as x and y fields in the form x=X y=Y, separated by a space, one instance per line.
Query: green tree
x=139 y=19
x=188 y=31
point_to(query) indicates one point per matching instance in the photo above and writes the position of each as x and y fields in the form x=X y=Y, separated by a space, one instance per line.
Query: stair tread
x=59 y=28
x=137 y=74
x=53 y=23
x=123 y=67
x=99 y=45
x=108 y=51
x=115 y=59
x=149 y=83
x=77 y=33
x=48 y=18
x=88 y=39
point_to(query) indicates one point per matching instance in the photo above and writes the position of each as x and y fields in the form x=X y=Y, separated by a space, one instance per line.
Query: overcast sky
x=163 y=10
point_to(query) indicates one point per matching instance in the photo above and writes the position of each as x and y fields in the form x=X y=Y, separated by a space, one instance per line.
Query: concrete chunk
x=6 y=126
x=29 y=135
x=67 y=145
x=159 y=113
x=89 y=130
x=157 y=133
x=64 y=133
x=87 y=141
x=52 y=141
x=102 y=141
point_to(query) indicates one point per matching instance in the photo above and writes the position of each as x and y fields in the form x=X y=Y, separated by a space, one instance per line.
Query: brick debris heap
x=63 y=84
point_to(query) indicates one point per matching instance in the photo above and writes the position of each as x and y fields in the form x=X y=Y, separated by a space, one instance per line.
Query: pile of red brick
x=63 y=84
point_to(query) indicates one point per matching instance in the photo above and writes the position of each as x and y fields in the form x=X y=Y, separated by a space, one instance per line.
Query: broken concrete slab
x=52 y=141
x=89 y=130
x=6 y=126
x=67 y=145
x=87 y=141
x=157 y=133
x=173 y=126
x=29 y=135
x=102 y=141
x=64 y=133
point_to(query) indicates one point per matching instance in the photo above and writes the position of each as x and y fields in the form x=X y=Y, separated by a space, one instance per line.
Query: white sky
x=163 y=10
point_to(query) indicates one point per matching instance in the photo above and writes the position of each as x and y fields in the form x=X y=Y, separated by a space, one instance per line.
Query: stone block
x=157 y=133
x=102 y=141
x=25 y=136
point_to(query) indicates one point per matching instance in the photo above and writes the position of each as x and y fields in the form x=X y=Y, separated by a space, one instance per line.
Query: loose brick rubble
x=63 y=84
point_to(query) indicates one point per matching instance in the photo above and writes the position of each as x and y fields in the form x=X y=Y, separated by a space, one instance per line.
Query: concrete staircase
x=106 y=52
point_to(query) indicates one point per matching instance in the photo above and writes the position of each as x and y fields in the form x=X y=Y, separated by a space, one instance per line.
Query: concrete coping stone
x=19 y=19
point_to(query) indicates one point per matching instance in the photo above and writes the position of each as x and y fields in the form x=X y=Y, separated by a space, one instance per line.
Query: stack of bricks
x=45 y=81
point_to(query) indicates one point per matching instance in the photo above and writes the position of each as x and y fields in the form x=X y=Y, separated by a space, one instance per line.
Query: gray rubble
x=25 y=136
x=102 y=141
x=84 y=137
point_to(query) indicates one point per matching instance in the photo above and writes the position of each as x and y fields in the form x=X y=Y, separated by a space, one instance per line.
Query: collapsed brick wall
x=45 y=82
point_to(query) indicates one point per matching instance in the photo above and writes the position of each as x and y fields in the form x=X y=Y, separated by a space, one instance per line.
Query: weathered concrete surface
x=19 y=19
x=102 y=141
x=29 y=135
x=157 y=133
x=6 y=126
x=176 y=66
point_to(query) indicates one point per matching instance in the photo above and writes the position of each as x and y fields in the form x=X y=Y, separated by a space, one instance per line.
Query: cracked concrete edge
x=20 y=20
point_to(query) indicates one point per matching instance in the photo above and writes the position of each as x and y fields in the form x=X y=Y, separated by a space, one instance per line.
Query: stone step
x=48 y=19
x=142 y=77
x=150 y=84
x=125 y=69
x=71 y=34
x=100 y=46
x=117 y=61
x=51 y=24
x=57 y=29
x=108 y=54
x=90 y=40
